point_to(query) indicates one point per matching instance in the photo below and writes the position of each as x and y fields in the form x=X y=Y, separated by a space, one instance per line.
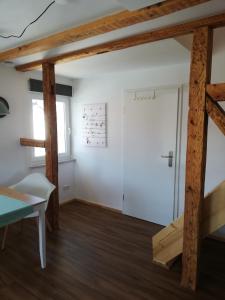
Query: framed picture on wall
x=94 y=129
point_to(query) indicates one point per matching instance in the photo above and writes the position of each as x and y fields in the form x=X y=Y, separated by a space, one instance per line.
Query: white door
x=150 y=130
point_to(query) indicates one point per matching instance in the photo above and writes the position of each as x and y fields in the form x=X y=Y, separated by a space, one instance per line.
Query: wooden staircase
x=168 y=243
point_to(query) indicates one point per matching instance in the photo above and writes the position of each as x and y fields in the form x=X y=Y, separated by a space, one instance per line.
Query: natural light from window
x=39 y=126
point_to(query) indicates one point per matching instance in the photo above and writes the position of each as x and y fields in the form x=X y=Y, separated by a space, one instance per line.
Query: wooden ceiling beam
x=216 y=91
x=135 y=40
x=104 y=25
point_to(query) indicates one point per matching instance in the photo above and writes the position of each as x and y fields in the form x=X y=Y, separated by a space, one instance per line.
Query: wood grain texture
x=99 y=255
x=196 y=154
x=216 y=113
x=216 y=91
x=135 y=40
x=32 y=143
x=100 y=26
x=168 y=243
x=51 y=143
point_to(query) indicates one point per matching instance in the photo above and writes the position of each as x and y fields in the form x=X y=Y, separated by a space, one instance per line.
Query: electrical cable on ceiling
x=34 y=21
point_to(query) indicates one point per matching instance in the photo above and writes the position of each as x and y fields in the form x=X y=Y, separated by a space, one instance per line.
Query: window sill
x=38 y=164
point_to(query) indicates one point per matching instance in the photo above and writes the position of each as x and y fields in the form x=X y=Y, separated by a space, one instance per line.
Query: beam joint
x=216 y=91
x=216 y=113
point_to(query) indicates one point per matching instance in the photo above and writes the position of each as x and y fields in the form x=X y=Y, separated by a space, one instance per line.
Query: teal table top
x=13 y=210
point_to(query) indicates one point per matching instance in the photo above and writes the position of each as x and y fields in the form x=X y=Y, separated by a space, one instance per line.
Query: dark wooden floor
x=99 y=254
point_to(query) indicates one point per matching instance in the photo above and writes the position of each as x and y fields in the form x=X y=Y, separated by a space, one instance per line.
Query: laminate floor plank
x=100 y=254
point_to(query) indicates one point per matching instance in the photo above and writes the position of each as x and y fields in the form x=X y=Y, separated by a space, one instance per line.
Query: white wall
x=15 y=159
x=99 y=172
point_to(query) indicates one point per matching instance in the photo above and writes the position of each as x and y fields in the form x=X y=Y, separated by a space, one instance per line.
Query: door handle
x=170 y=158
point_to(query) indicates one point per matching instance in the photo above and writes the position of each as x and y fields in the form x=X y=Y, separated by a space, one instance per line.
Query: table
x=38 y=205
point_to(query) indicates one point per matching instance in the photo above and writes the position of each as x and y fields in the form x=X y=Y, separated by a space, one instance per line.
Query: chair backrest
x=35 y=184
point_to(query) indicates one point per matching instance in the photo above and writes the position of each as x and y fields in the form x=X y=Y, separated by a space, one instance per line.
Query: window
x=63 y=126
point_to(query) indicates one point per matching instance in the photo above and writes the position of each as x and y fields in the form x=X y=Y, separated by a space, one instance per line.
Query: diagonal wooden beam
x=216 y=91
x=100 y=26
x=32 y=143
x=216 y=113
x=196 y=154
x=135 y=40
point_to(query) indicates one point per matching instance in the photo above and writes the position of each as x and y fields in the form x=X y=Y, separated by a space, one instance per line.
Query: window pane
x=39 y=125
x=61 y=126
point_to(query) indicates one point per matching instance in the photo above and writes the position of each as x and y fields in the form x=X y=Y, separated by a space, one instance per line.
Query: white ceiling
x=76 y=12
x=140 y=57
x=16 y=14
x=162 y=53
x=136 y=4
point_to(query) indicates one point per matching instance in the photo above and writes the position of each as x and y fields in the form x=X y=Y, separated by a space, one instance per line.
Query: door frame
x=179 y=88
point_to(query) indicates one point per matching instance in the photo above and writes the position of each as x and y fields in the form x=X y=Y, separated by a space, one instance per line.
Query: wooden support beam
x=196 y=154
x=216 y=91
x=100 y=26
x=135 y=40
x=216 y=113
x=32 y=143
x=51 y=140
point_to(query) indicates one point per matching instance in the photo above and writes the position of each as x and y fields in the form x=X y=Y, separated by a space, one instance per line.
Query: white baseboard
x=65 y=201
x=91 y=204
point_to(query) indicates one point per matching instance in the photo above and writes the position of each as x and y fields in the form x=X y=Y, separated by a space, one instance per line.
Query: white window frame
x=63 y=157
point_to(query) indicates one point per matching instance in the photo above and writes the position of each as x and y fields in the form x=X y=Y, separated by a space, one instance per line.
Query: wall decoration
x=94 y=125
x=4 y=107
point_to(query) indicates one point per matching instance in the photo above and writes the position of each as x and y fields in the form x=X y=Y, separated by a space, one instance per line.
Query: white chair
x=35 y=184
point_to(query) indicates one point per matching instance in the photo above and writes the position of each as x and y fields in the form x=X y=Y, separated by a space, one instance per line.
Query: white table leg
x=42 y=236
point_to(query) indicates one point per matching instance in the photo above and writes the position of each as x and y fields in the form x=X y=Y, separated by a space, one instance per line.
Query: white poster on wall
x=94 y=125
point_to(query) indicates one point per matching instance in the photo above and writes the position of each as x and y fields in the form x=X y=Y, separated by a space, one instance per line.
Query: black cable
x=22 y=33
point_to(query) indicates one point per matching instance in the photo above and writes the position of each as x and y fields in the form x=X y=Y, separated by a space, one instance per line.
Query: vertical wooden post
x=51 y=140
x=196 y=153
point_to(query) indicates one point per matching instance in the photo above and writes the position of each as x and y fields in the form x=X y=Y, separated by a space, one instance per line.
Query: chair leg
x=48 y=225
x=4 y=237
